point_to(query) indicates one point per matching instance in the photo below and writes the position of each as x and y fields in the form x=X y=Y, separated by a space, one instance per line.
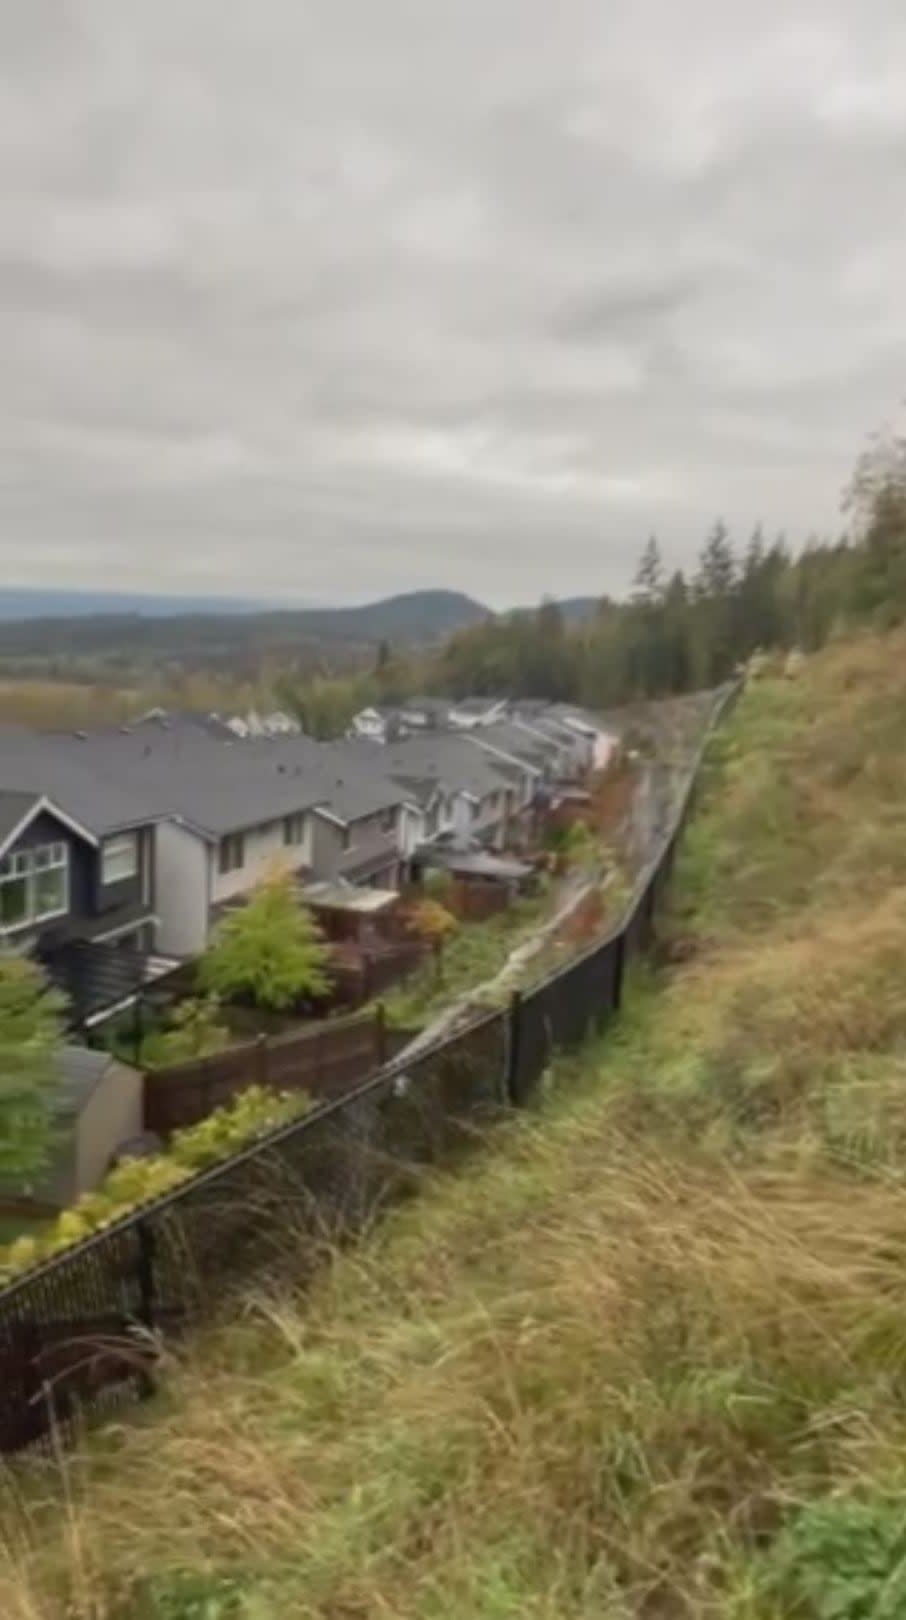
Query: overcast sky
x=341 y=297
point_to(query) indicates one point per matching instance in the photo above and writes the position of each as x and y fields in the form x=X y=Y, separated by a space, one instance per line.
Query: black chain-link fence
x=78 y=1333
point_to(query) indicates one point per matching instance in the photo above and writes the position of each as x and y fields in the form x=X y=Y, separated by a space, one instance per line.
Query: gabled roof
x=48 y=766
x=547 y=726
x=445 y=760
x=478 y=705
x=16 y=810
x=605 y=724
x=30 y=806
x=508 y=738
x=216 y=784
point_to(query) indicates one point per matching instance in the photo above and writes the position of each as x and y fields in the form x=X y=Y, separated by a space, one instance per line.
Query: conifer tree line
x=678 y=631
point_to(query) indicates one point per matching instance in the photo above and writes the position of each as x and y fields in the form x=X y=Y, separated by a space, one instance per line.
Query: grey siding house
x=224 y=812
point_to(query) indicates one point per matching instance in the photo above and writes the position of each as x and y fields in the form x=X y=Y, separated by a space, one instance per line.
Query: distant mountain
x=23 y=603
x=101 y=626
x=415 y=617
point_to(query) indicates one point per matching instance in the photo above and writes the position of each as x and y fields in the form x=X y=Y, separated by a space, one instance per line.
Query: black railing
x=78 y=1333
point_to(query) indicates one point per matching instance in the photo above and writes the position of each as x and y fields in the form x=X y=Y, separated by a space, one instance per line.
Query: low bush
x=136 y=1181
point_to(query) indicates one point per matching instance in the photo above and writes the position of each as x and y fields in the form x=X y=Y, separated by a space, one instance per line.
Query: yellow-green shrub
x=136 y=1181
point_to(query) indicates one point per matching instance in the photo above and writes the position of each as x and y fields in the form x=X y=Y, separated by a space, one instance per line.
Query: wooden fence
x=476 y=902
x=324 y=1061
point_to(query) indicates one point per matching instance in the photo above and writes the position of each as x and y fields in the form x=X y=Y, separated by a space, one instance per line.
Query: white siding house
x=182 y=884
x=241 y=860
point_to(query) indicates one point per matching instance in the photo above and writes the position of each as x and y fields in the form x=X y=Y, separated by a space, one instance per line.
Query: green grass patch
x=475 y=953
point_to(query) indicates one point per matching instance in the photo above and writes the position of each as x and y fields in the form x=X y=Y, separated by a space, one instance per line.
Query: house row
x=123 y=846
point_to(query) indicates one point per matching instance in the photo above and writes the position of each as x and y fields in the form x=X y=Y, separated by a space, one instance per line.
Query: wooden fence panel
x=324 y=1061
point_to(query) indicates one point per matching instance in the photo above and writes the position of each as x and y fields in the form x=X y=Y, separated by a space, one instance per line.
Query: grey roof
x=188 y=721
x=512 y=739
x=550 y=727
x=346 y=777
x=444 y=760
x=475 y=863
x=34 y=763
x=123 y=776
x=14 y=807
x=610 y=723
x=80 y=1072
x=478 y=705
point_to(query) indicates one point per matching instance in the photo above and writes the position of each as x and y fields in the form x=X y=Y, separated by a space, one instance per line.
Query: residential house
x=602 y=735
x=77 y=860
x=452 y=790
x=229 y=812
x=276 y=723
x=469 y=713
x=377 y=724
x=419 y=714
x=535 y=754
x=572 y=752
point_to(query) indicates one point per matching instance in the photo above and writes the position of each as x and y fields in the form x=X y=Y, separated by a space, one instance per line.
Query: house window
x=388 y=820
x=231 y=853
x=34 y=885
x=294 y=829
x=119 y=858
x=346 y=838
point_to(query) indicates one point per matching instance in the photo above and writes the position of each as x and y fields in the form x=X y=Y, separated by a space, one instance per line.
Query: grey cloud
x=627 y=303
x=339 y=299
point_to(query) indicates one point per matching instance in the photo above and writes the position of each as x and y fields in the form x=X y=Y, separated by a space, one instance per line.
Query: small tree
x=194 y=1032
x=30 y=1037
x=428 y=920
x=270 y=949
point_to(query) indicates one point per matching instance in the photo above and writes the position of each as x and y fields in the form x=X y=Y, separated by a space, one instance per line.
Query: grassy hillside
x=645 y=1357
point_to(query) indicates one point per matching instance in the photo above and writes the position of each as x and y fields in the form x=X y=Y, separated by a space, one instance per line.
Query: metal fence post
x=145 y=1273
x=514 y=1038
x=618 y=971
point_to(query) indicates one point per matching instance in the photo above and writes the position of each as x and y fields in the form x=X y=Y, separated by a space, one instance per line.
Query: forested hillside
x=679 y=632
x=675 y=633
x=642 y=1356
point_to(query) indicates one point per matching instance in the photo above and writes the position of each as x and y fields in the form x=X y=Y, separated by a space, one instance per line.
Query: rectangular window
x=34 y=885
x=346 y=836
x=119 y=858
x=231 y=854
x=294 y=829
x=388 y=820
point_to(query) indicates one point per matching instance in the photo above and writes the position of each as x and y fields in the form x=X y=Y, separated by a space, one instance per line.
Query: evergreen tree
x=647 y=587
x=30 y=1038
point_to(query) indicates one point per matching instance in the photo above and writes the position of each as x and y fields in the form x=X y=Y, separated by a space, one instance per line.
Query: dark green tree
x=31 y=1034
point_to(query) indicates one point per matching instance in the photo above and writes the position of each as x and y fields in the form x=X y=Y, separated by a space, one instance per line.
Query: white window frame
x=26 y=866
x=115 y=849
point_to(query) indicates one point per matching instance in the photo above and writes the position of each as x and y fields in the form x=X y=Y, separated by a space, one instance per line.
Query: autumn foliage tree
x=431 y=922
